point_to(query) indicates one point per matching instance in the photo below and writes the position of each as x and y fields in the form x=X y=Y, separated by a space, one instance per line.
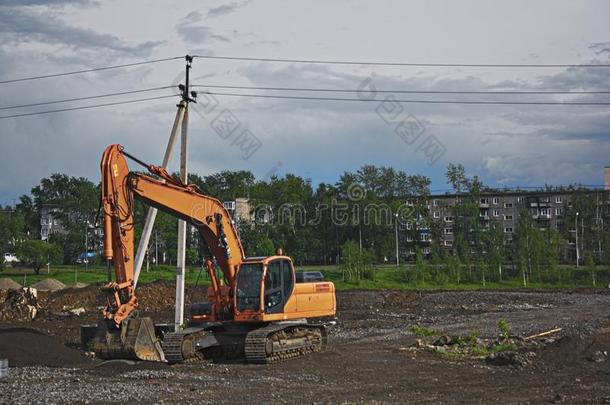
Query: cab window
x=278 y=285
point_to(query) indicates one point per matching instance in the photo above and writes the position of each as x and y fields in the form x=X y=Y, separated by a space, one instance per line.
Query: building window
x=484 y=200
x=409 y=225
x=508 y=230
x=508 y=217
x=558 y=211
x=424 y=237
x=448 y=243
x=434 y=202
x=508 y=205
x=409 y=239
x=448 y=231
x=496 y=200
x=437 y=214
x=545 y=212
x=496 y=213
x=448 y=219
x=409 y=203
x=426 y=250
x=558 y=199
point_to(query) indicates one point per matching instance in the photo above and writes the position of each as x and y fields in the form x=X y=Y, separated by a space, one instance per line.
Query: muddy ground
x=369 y=359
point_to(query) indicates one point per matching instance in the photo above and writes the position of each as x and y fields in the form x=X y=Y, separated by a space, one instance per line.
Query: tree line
x=304 y=220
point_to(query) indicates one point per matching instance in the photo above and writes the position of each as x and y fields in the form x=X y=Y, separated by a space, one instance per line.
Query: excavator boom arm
x=120 y=186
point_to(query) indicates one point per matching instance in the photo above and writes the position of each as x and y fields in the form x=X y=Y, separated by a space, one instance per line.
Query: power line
x=85 y=98
x=335 y=62
x=399 y=91
x=23 y=79
x=413 y=101
x=87 y=107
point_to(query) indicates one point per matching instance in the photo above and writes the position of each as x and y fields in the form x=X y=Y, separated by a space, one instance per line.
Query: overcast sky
x=505 y=145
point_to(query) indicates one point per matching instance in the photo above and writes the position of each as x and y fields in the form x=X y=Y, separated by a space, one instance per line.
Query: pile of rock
x=20 y=305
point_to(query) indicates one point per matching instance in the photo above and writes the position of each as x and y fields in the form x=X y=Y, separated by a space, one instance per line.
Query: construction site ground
x=371 y=356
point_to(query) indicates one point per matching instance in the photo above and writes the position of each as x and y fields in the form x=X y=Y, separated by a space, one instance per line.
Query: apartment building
x=49 y=221
x=548 y=210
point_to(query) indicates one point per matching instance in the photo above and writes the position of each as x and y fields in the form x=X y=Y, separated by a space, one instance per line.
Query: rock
x=77 y=311
x=510 y=358
x=599 y=356
x=442 y=341
x=446 y=340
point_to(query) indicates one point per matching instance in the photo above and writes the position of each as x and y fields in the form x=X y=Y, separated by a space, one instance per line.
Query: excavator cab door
x=279 y=283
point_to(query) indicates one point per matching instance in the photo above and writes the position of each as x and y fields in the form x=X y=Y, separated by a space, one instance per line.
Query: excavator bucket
x=135 y=340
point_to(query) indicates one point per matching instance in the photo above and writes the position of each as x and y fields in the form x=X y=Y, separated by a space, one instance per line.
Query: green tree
x=38 y=253
x=553 y=244
x=11 y=229
x=494 y=245
x=523 y=241
x=77 y=200
x=591 y=267
x=355 y=263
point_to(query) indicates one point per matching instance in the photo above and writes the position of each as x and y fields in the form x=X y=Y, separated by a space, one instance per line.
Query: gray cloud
x=17 y=26
x=45 y=2
x=225 y=9
x=600 y=47
x=190 y=29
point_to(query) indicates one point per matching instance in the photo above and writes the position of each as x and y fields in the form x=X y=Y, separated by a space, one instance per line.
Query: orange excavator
x=256 y=309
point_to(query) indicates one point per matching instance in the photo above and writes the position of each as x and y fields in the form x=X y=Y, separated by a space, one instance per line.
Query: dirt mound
x=160 y=295
x=27 y=347
x=79 y=285
x=89 y=297
x=49 y=284
x=574 y=351
x=9 y=284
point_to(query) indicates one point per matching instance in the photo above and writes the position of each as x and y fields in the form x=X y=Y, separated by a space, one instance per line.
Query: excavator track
x=179 y=347
x=278 y=342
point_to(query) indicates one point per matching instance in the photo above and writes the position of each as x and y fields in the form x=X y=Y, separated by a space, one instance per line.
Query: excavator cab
x=269 y=278
x=266 y=291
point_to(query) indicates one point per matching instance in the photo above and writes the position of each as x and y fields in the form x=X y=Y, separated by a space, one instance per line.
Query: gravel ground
x=367 y=360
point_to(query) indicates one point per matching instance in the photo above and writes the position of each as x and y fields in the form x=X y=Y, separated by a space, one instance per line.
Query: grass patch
x=421 y=331
x=386 y=277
